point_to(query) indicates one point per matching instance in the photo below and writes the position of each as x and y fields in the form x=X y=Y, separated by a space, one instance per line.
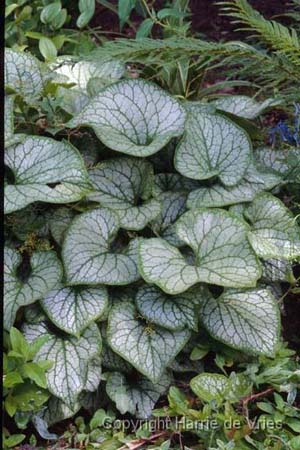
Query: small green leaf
x=124 y=9
x=87 y=10
x=11 y=379
x=18 y=342
x=210 y=387
x=47 y=49
x=50 y=12
x=35 y=373
x=13 y=440
x=144 y=29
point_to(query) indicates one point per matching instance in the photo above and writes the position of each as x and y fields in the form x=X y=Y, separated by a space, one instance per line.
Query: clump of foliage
x=148 y=227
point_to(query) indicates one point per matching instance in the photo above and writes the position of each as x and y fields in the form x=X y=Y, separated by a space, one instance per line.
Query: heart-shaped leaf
x=45 y=170
x=81 y=72
x=213 y=146
x=125 y=185
x=87 y=254
x=24 y=74
x=210 y=387
x=57 y=411
x=133 y=117
x=223 y=255
x=169 y=311
x=243 y=106
x=275 y=231
x=254 y=181
x=73 y=309
x=137 y=398
x=45 y=274
x=71 y=356
x=246 y=320
x=150 y=350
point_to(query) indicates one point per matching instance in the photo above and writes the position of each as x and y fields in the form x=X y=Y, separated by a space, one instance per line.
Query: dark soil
x=204 y=17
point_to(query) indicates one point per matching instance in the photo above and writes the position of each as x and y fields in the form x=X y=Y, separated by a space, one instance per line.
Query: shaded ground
x=204 y=18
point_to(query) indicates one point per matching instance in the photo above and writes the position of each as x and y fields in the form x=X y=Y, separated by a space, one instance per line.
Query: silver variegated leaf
x=71 y=357
x=285 y=163
x=72 y=100
x=125 y=186
x=80 y=73
x=86 y=251
x=244 y=106
x=111 y=361
x=94 y=374
x=46 y=273
x=45 y=170
x=277 y=270
x=72 y=309
x=173 y=182
x=253 y=182
x=59 y=221
x=137 y=398
x=169 y=311
x=133 y=117
x=10 y=138
x=223 y=255
x=57 y=410
x=210 y=387
x=24 y=74
x=149 y=349
x=245 y=320
x=213 y=146
x=275 y=231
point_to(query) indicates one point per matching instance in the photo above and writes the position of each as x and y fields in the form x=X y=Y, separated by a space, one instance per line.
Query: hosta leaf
x=45 y=274
x=275 y=232
x=81 y=72
x=253 y=182
x=73 y=309
x=150 y=350
x=59 y=221
x=168 y=311
x=223 y=255
x=86 y=251
x=210 y=387
x=9 y=137
x=71 y=356
x=125 y=185
x=24 y=74
x=213 y=146
x=243 y=106
x=137 y=398
x=45 y=170
x=133 y=117
x=246 y=320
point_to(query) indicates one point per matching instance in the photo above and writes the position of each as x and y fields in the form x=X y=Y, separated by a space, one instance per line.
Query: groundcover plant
x=137 y=224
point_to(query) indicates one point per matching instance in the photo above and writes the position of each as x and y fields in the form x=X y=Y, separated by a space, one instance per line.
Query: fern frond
x=278 y=37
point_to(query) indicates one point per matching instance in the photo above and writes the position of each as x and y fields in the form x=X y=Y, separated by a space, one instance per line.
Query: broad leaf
x=149 y=349
x=278 y=270
x=282 y=162
x=133 y=117
x=87 y=254
x=45 y=274
x=125 y=185
x=81 y=72
x=210 y=387
x=59 y=221
x=73 y=309
x=45 y=170
x=275 y=231
x=213 y=146
x=57 y=411
x=173 y=206
x=223 y=255
x=137 y=398
x=24 y=74
x=173 y=182
x=71 y=100
x=9 y=137
x=246 y=320
x=254 y=181
x=243 y=106
x=111 y=361
x=94 y=374
x=169 y=311
x=71 y=356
